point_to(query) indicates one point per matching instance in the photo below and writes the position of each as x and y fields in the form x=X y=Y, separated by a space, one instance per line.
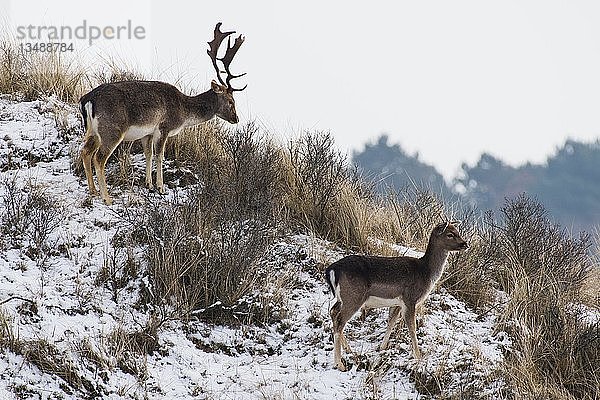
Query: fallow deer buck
x=400 y=283
x=152 y=112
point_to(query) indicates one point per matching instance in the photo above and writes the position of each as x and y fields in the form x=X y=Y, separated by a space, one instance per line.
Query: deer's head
x=225 y=107
x=447 y=235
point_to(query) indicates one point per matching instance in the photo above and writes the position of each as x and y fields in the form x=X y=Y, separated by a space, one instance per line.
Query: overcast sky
x=446 y=79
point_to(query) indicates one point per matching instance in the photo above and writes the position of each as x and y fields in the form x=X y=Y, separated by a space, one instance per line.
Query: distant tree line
x=568 y=184
x=388 y=166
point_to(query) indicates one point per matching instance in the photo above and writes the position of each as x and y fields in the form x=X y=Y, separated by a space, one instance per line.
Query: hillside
x=84 y=312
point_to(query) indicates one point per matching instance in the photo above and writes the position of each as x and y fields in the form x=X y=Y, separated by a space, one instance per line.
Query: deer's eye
x=450 y=235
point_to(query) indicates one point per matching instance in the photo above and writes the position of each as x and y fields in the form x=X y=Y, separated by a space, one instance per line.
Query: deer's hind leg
x=90 y=147
x=341 y=312
x=107 y=147
x=338 y=335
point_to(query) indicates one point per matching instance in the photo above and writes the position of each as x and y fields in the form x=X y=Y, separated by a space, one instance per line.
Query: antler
x=214 y=47
x=227 y=58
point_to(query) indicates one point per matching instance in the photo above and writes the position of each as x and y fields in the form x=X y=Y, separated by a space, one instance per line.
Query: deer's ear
x=216 y=87
x=441 y=228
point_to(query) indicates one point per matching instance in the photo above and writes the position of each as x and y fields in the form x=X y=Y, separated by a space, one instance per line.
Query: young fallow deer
x=400 y=283
x=152 y=112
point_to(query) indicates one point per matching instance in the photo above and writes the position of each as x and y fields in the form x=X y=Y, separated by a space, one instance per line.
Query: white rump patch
x=336 y=286
x=88 y=109
x=92 y=123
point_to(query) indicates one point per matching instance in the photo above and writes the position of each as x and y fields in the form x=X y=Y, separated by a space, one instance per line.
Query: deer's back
x=134 y=102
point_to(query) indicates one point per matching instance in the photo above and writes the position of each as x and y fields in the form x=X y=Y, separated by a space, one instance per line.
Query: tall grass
x=37 y=74
x=31 y=75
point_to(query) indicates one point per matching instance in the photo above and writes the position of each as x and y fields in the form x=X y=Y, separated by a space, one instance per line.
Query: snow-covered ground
x=57 y=303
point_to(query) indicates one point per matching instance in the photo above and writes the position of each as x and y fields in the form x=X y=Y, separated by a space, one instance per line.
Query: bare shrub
x=14 y=211
x=255 y=168
x=8 y=339
x=44 y=214
x=202 y=252
x=119 y=268
x=543 y=269
x=240 y=165
x=28 y=212
x=204 y=243
x=542 y=250
x=326 y=196
x=318 y=173
x=309 y=185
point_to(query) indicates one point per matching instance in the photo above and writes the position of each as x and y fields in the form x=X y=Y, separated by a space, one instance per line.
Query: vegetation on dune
x=234 y=190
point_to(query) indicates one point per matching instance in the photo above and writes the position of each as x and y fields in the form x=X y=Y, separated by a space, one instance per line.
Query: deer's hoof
x=340 y=366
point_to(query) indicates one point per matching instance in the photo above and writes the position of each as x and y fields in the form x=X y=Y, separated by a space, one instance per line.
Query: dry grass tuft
x=36 y=74
x=49 y=359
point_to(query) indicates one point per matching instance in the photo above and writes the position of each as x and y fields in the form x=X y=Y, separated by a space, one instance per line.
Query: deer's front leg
x=411 y=322
x=148 y=146
x=392 y=319
x=162 y=142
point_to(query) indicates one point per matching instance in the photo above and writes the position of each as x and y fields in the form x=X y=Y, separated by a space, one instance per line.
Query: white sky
x=447 y=79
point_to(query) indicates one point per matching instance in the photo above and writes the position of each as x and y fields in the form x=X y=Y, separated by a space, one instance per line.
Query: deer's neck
x=201 y=107
x=434 y=260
